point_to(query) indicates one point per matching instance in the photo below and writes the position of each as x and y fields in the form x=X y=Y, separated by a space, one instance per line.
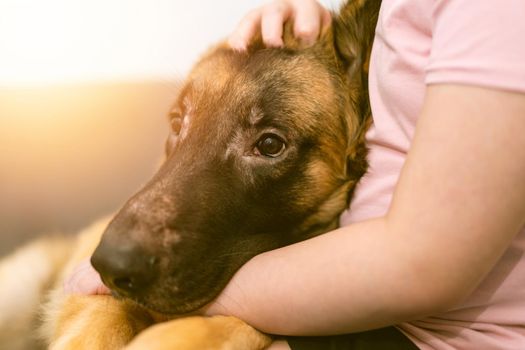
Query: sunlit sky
x=50 y=41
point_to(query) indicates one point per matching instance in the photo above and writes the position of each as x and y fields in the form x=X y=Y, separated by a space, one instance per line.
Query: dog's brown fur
x=327 y=98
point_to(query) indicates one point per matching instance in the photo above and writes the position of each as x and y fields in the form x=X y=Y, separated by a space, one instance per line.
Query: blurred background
x=84 y=90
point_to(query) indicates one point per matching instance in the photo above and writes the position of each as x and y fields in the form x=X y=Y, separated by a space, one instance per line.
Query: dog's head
x=264 y=151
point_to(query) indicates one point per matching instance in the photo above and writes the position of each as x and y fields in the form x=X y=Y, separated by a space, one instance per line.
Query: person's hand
x=309 y=17
x=85 y=280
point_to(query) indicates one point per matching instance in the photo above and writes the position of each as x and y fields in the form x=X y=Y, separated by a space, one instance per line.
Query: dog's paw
x=201 y=333
x=84 y=336
x=86 y=342
x=97 y=322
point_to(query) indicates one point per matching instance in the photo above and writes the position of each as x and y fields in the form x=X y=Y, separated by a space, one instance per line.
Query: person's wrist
x=236 y=298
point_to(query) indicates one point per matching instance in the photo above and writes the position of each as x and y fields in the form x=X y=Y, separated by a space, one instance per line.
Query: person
x=431 y=253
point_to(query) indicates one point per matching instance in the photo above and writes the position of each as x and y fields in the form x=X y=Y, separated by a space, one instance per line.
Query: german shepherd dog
x=265 y=149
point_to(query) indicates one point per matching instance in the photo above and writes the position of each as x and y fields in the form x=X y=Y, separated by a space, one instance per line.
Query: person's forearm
x=458 y=204
x=347 y=280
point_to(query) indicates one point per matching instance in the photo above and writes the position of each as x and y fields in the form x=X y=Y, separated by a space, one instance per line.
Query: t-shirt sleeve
x=478 y=42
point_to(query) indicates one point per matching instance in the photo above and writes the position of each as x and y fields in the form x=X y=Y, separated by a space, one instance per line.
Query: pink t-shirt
x=420 y=42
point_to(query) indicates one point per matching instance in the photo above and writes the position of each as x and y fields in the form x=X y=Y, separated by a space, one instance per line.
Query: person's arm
x=459 y=202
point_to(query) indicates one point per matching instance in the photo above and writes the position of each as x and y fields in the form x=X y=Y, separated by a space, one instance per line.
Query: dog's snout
x=127 y=269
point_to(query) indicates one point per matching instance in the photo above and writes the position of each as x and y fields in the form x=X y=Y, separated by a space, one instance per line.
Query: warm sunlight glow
x=48 y=41
x=84 y=89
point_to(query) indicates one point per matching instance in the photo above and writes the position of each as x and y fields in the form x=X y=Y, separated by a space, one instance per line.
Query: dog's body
x=265 y=150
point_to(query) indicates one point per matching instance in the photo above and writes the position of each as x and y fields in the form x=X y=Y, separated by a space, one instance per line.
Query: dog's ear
x=349 y=39
x=353 y=30
x=351 y=34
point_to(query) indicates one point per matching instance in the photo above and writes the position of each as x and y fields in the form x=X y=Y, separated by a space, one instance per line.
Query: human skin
x=451 y=216
x=458 y=204
x=308 y=16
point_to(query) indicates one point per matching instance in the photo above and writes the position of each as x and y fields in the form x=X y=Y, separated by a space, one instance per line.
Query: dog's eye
x=270 y=145
x=176 y=123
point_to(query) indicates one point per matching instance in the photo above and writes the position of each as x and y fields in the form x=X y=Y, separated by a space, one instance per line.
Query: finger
x=85 y=280
x=326 y=20
x=273 y=18
x=307 y=22
x=246 y=30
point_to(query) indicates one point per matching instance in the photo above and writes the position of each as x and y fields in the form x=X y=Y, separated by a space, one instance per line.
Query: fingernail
x=274 y=44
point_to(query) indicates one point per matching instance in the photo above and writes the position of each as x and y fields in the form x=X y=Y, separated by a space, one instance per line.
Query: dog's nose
x=125 y=268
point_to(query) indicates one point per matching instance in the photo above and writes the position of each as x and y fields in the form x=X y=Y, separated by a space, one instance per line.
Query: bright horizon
x=70 y=41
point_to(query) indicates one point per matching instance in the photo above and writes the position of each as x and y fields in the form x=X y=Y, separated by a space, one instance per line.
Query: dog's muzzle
x=125 y=268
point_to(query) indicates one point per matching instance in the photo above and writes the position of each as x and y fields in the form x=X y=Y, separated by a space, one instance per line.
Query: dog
x=265 y=150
